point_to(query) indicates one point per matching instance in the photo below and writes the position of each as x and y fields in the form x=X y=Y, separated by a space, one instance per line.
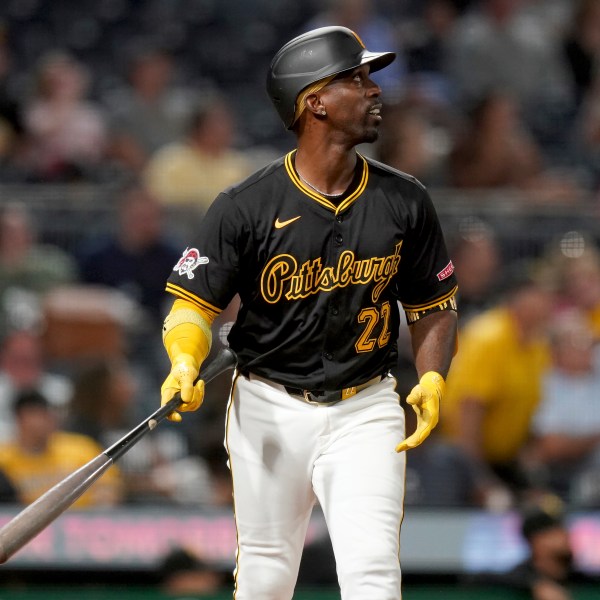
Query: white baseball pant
x=285 y=454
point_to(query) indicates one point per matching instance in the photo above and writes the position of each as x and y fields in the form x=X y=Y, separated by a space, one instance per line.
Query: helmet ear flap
x=314 y=56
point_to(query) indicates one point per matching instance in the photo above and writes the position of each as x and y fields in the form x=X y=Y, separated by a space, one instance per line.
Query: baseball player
x=321 y=246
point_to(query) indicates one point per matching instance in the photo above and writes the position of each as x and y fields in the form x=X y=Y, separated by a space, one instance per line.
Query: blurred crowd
x=165 y=104
x=483 y=94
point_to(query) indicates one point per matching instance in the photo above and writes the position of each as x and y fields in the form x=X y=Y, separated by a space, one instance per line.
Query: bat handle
x=226 y=359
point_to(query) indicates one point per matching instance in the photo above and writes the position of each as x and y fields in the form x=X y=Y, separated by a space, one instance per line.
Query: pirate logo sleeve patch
x=189 y=260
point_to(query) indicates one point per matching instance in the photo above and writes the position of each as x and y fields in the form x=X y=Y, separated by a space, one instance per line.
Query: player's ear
x=315 y=105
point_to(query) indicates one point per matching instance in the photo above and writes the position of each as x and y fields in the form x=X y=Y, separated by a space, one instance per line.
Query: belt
x=324 y=397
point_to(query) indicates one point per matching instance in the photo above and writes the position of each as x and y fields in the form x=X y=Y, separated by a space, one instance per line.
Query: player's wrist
x=187 y=331
x=433 y=382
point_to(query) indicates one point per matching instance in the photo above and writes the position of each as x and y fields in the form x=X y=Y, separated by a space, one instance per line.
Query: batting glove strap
x=434 y=384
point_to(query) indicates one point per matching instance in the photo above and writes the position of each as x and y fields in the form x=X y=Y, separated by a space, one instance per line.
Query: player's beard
x=363 y=133
x=361 y=130
x=371 y=135
x=370 y=127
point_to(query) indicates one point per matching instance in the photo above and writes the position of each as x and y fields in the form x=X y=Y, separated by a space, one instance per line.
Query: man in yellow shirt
x=194 y=170
x=493 y=386
x=40 y=456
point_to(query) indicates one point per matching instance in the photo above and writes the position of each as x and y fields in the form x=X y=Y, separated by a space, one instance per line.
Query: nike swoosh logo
x=280 y=224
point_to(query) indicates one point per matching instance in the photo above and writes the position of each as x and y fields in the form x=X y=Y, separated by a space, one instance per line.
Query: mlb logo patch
x=446 y=272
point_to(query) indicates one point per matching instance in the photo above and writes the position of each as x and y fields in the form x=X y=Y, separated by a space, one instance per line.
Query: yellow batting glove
x=184 y=371
x=425 y=399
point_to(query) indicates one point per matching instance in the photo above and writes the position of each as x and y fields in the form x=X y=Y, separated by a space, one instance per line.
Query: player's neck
x=326 y=170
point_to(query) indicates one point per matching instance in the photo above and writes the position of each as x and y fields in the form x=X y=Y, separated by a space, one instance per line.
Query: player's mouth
x=375 y=111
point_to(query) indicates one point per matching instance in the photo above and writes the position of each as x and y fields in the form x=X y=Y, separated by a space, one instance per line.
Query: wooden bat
x=50 y=505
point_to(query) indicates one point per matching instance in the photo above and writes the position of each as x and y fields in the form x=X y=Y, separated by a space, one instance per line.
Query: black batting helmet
x=313 y=56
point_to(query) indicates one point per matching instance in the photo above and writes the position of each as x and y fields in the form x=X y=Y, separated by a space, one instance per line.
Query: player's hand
x=425 y=399
x=184 y=371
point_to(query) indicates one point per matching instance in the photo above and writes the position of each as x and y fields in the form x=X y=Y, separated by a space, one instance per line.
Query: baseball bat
x=39 y=514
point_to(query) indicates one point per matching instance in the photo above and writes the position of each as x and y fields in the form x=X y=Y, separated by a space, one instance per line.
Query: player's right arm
x=187 y=338
x=203 y=282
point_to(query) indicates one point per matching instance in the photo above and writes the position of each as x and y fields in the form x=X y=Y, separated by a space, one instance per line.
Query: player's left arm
x=434 y=339
x=427 y=288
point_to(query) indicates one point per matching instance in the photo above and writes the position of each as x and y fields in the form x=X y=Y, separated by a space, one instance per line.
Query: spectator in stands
x=103 y=399
x=498 y=45
x=23 y=367
x=566 y=425
x=478 y=264
x=374 y=29
x=136 y=258
x=496 y=150
x=426 y=47
x=195 y=169
x=586 y=142
x=149 y=110
x=548 y=572
x=40 y=455
x=65 y=132
x=28 y=270
x=494 y=385
x=417 y=139
x=25 y=262
x=182 y=573
x=582 y=47
x=158 y=469
x=575 y=261
x=11 y=121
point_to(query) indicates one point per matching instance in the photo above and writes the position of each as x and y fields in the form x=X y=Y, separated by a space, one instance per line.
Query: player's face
x=353 y=106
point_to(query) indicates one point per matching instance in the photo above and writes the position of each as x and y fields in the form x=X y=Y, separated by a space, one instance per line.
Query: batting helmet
x=313 y=56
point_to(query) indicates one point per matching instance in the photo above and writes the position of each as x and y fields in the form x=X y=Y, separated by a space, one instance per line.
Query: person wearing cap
x=549 y=570
x=321 y=245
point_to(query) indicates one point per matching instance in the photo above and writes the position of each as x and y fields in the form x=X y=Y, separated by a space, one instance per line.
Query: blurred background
x=120 y=121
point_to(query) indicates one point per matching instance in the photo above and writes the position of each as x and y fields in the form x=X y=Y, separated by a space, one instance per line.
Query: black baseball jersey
x=319 y=281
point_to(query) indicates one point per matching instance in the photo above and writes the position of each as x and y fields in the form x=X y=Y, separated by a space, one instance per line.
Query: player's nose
x=373 y=89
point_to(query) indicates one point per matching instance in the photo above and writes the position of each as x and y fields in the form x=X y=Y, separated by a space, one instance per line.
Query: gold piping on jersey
x=447 y=302
x=283 y=277
x=185 y=295
x=443 y=298
x=345 y=203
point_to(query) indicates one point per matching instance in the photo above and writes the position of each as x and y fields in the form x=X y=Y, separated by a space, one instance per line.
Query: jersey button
x=339 y=239
x=328 y=356
x=339 y=218
x=335 y=310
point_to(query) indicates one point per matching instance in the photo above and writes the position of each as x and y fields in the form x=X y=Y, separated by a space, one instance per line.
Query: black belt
x=325 y=397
